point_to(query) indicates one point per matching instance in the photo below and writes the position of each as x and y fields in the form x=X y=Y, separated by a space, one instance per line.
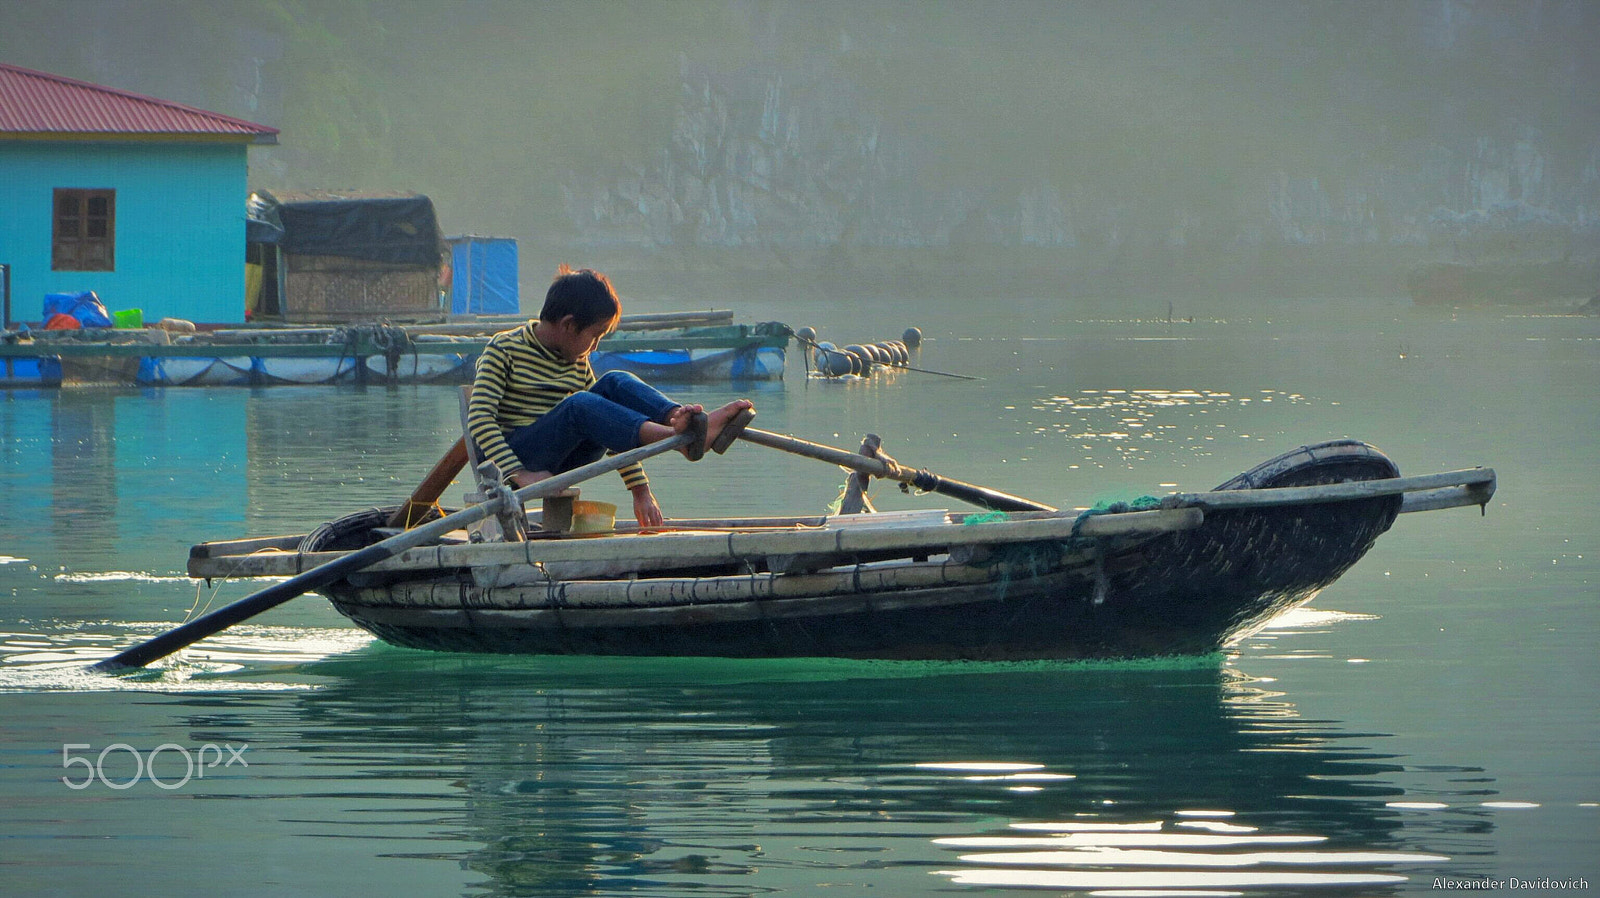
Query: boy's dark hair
x=585 y=294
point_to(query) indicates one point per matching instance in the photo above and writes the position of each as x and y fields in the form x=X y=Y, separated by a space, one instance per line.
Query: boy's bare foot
x=696 y=432
x=690 y=419
x=715 y=430
x=678 y=418
x=727 y=422
x=529 y=478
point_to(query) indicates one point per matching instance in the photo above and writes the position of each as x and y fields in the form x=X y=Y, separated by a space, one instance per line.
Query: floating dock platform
x=650 y=346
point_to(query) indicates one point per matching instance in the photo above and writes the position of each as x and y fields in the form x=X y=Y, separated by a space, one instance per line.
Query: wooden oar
x=886 y=468
x=432 y=486
x=277 y=594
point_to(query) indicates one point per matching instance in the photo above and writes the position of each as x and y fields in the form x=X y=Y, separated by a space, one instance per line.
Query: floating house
x=134 y=198
x=341 y=255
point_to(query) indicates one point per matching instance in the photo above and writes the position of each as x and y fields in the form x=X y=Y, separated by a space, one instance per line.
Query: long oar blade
x=251 y=605
x=275 y=595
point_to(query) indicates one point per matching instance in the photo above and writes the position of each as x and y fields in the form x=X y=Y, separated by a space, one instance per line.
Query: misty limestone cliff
x=1500 y=184
x=786 y=159
x=1182 y=140
x=799 y=159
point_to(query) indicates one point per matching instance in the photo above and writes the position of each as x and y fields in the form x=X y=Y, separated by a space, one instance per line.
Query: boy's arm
x=645 y=509
x=633 y=476
x=488 y=386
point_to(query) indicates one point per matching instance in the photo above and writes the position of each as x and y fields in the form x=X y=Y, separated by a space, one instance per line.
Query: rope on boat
x=837 y=505
x=1027 y=561
x=1102 y=582
x=358 y=529
x=1143 y=503
x=195 y=608
x=1035 y=559
x=417 y=515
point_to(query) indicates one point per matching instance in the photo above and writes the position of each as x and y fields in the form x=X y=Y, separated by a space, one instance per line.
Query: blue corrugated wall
x=179 y=225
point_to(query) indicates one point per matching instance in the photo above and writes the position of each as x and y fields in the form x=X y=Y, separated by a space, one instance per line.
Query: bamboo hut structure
x=347 y=256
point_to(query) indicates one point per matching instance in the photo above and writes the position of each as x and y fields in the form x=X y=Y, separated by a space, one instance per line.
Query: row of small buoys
x=860 y=358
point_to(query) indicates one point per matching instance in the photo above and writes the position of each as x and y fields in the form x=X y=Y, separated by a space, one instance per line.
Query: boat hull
x=1189 y=592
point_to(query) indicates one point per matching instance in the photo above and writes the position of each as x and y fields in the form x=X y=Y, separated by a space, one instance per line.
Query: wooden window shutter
x=84 y=230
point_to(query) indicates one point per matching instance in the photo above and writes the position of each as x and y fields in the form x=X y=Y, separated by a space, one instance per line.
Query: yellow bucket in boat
x=593 y=517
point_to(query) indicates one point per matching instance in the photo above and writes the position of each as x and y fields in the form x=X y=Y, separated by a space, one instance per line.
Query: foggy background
x=1230 y=147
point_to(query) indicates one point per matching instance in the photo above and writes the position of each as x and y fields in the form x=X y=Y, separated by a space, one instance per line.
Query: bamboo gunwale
x=675 y=549
x=1483 y=479
x=286 y=543
x=274 y=556
x=1477 y=494
x=1421 y=500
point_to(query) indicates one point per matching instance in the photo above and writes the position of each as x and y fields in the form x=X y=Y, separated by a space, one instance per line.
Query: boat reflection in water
x=666 y=777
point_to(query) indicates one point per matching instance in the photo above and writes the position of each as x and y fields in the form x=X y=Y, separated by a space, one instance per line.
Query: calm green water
x=1432 y=717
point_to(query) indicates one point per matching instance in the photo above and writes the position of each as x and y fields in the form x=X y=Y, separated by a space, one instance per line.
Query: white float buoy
x=835 y=363
x=860 y=352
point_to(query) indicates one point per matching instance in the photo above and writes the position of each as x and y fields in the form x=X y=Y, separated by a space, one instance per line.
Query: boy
x=538 y=410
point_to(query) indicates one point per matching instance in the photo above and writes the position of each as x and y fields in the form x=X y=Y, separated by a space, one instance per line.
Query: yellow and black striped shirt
x=517 y=381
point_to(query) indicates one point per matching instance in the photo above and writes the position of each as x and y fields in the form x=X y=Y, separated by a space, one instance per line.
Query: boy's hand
x=645 y=509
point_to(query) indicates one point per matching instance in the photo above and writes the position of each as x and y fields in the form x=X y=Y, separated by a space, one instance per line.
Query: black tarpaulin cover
x=399 y=227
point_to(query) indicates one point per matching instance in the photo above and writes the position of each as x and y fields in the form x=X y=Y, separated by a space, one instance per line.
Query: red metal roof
x=36 y=103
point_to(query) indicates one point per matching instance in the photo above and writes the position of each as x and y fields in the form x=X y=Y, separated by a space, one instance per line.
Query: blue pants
x=581 y=427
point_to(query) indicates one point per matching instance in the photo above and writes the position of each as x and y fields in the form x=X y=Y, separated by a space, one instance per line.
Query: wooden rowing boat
x=1189 y=573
